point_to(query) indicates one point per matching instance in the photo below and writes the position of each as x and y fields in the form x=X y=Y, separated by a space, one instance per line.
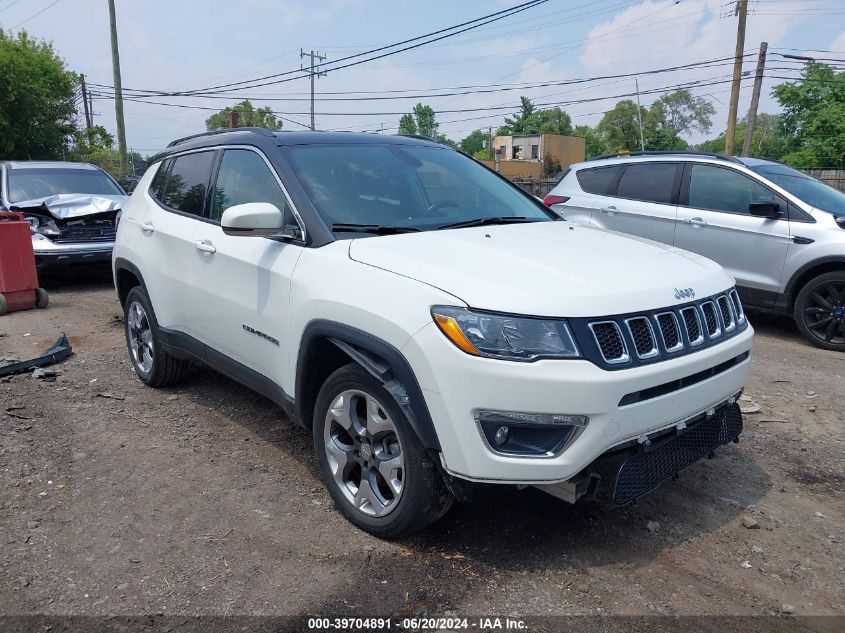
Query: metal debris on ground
x=57 y=352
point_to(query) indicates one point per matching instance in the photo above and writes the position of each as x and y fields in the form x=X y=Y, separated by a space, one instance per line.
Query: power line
x=34 y=15
x=324 y=67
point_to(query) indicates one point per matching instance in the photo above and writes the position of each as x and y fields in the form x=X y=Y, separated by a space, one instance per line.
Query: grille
x=711 y=321
x=693 y=325
x=669 y=330
x=727 y=315
x=738 y=311
x=643 y=472
x=616 y=342
x=610 y=341
x=643 y=336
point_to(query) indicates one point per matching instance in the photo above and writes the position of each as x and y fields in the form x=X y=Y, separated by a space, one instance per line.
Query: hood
x=72 y=205
x=553 y=269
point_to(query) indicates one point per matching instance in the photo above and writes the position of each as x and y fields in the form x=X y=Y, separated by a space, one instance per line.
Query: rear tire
x=154 y=366
x=820 y=311
x=4 y=305
x=42 y=299
x=378 y=473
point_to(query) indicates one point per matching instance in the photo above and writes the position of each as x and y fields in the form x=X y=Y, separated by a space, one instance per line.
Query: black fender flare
x=124 y=264
x=382 y=360
x=792 y=289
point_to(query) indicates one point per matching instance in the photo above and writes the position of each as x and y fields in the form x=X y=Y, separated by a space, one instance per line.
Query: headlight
x=43 y=226
x=504 y=336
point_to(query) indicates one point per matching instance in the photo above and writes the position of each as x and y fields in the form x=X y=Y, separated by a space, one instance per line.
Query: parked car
x=71 y=208
x=778 y=231
x=431 y=323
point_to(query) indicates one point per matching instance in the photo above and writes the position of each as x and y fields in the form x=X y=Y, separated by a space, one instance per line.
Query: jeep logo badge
x=684 y=293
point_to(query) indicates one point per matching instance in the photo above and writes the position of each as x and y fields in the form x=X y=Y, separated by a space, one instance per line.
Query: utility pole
x=312 y=55
x=118 y=92
x=234 y=119
x=730 y=133
x=639 y=113
x=755 y=100
x=85 y=104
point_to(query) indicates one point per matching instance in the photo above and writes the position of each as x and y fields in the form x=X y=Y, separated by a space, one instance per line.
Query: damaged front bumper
x=50 y=254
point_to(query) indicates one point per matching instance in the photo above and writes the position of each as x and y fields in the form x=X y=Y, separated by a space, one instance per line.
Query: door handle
x=205 y=247
x=147 y=227
x=611 y=210
x=696 y=221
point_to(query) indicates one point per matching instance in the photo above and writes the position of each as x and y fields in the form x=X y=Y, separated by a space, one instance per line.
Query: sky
x=178 y=45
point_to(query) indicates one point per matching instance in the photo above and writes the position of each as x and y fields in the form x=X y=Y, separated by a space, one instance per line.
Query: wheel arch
x=810 y=271
x=126 y=277
x=327 y=345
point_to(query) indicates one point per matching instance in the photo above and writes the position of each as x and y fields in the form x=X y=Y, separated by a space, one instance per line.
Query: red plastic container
x=18 y=278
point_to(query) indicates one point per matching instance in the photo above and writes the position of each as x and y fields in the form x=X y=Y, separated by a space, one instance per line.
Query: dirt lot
x=203 y=499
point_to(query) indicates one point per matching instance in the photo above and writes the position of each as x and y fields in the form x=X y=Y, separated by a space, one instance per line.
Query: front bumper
x=455 y=384
x=49 y=254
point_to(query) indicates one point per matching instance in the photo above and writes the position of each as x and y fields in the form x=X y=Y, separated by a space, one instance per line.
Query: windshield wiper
x=376 y=229
x=505 y=219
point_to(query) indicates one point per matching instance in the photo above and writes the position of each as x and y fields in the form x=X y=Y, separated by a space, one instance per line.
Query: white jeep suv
x=431 y=323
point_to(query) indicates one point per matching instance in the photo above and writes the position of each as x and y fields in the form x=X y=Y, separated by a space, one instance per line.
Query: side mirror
x=253 y=219
x=769 y=210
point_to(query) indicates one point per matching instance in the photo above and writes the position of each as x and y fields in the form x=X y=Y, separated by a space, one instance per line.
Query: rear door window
x=598 y=179
x=187 y=182
x=650 y=182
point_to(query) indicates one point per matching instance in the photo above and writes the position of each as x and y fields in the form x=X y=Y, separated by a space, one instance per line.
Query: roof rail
x=258 y=130
x=420 y=137
x=677 y=152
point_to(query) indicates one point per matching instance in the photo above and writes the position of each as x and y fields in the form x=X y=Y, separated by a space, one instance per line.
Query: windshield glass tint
x=32 y=184
x=405 y=186
x=802 y=186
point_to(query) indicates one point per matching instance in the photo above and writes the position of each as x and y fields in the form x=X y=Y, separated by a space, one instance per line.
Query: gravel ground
x=205 y=500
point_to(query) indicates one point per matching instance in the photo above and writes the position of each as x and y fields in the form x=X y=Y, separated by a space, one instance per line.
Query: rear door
x=642 y=201
x=713 y=220
x=243 y=283
x=167 y=223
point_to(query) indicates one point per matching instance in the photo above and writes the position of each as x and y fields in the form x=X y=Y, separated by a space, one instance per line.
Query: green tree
x=422 y=121
x=813 y=118
x=474 y=142
x=593 y=140
x=523 y=123
x=248 y=116
x=37 y=110
x=407 y=125
x=554 y=121
x=767 y=140
x=620 y=128
x=674 y=115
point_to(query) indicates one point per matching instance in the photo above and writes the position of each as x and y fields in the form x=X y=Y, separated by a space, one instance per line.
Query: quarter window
x=159 y=180
x=598 y=179
x=187 y=182
x=720 y=189
x=245 y=177
x=651 y=182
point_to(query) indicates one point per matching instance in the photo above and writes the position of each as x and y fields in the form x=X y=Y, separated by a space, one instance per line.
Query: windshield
x=32 y=184
x=807 y=189
x=406 y=186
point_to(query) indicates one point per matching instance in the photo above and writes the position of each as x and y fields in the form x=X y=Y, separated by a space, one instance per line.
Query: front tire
x=820 y=311
x=154 y=366
x=374 y=466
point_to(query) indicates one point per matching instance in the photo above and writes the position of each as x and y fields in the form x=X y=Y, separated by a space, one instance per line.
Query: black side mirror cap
x=770 y=210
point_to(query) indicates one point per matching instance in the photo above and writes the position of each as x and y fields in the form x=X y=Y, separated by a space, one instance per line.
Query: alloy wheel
x=364 y=453
x=824 y=312
x=140 y=337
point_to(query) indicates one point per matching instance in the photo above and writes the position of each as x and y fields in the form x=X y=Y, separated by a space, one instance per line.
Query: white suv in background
x=779 y=232
x=432 y=324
